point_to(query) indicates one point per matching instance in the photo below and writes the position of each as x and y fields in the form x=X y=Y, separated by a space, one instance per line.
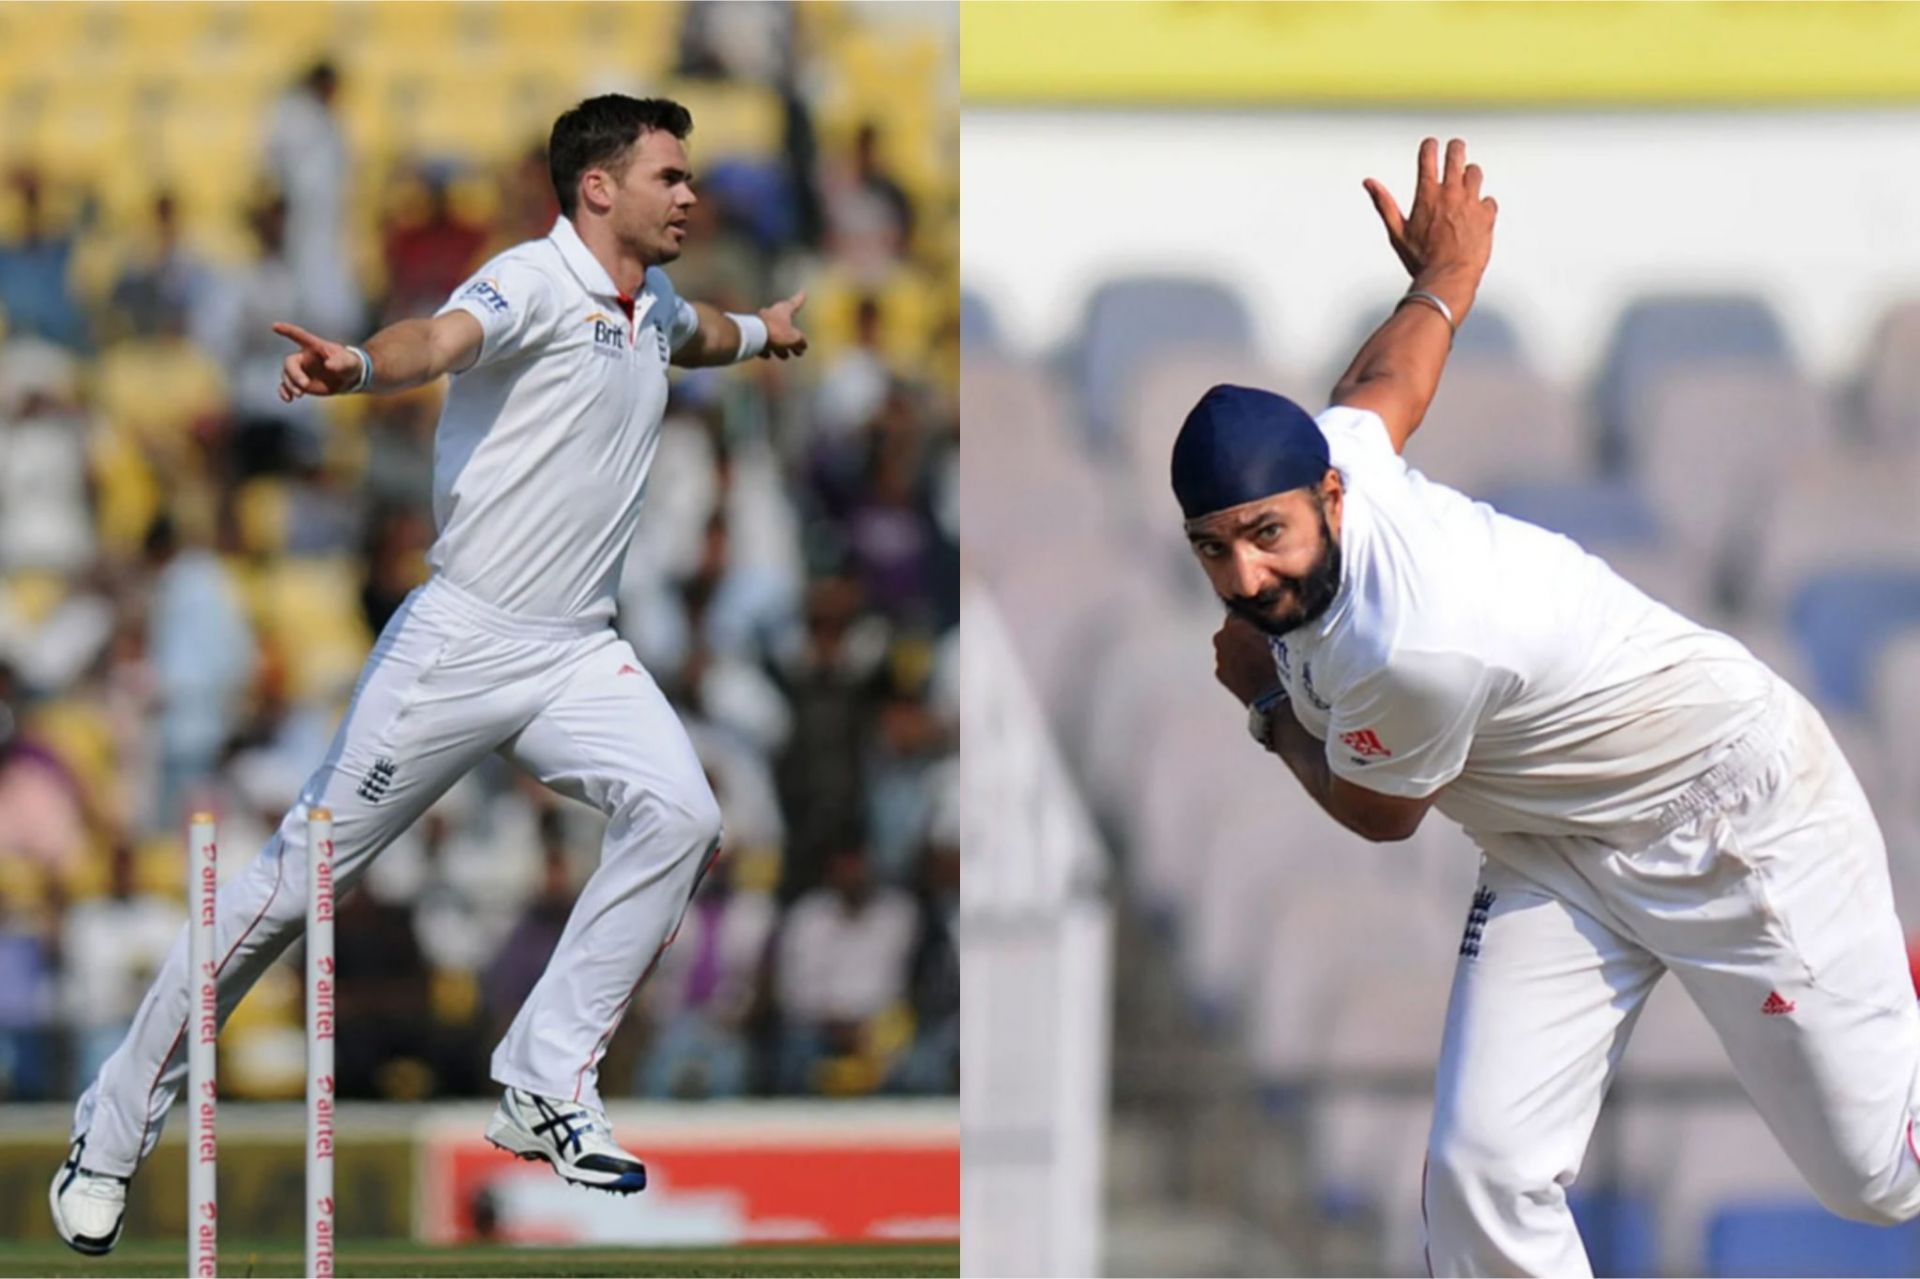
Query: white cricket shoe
x=88 y=1207
x=577 y=1140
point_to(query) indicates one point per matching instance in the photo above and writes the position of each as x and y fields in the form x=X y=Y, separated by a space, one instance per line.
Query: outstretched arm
x=404 y=355
x=1444 y=242
x=718 y=339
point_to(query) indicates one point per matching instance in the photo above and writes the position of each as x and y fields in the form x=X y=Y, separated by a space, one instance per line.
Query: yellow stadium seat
x=309 y=609
x=910 y=308
x=81 y=738
x=260 y=509
x=729 y=118
x=159 y=866
x=154 y=389
x=126 y=493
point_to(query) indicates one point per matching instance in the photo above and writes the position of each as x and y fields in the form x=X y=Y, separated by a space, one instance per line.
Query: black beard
x=1315 y=592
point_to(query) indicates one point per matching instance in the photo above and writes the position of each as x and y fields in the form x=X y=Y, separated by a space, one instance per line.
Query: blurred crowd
x=191 y=573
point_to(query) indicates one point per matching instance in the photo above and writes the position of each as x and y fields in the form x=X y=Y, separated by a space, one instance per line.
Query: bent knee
x=1478 y=1177
x=690 y=820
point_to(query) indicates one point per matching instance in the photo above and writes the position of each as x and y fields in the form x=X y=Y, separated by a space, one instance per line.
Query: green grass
x=392 y=1257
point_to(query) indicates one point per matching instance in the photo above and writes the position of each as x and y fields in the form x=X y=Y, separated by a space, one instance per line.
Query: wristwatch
x=1260 y=715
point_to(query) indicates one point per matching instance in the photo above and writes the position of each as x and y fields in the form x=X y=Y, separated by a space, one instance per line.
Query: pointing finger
x=798 y=300
x=1456 y=160
x=1429 y=165
x=295 y=333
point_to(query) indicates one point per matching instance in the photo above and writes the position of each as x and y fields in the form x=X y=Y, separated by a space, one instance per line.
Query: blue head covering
x=1240 y=445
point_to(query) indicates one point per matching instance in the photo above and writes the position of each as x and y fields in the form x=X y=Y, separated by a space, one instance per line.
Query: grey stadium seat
x=1135 y=318
x=1890 y=380
x=1492 y=425
x=1719 y=448
x=1658 y=335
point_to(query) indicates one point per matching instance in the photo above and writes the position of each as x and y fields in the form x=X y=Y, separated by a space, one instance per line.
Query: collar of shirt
x=585 y=267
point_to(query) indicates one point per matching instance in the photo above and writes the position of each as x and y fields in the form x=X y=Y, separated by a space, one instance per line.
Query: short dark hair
x=598 y=132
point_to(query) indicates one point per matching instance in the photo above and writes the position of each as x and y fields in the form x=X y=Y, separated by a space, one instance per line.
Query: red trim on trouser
x=600 y=1044
x=279 y=872
x=1913 y=1149
x=1426 y=1239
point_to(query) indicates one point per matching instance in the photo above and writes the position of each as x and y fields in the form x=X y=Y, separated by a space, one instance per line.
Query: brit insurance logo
x=609 y=335
x=487 y=290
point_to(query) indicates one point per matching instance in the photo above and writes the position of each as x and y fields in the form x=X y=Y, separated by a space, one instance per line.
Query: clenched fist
x=1243 y=660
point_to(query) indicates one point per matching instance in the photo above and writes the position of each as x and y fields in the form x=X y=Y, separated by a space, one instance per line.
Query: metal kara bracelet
x=1432 y=300
x=366 y=370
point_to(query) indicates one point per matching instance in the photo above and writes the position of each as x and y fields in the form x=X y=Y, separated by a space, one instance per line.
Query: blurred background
x=191 y=574
x=1697 y=352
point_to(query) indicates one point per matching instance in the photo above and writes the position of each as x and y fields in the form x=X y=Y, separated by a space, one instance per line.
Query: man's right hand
x=1450 y=229
x=1243 y=660
x=319 y=367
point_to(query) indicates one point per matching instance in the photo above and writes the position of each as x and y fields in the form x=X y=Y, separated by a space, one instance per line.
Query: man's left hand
x=1243 y=660
x=784 y=338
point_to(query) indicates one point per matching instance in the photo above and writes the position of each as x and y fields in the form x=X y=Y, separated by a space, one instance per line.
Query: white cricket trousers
x=450 y=680
x=1773 y=883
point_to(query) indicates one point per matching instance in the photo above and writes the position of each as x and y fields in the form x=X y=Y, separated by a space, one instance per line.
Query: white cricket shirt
x=544 y=445
x=1468 y=650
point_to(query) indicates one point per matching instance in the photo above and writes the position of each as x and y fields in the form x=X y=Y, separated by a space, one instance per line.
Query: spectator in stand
x=528 y=206
x=43 y=811
x=890 y=525
x=385 y=995
x=933 y=1065
x=855 y=385
x=822 y=771
x=429 y=255
x=707 y=985
x=111 y=947
x=842 y=965
x=167 y=287
x=29 y=932
x=308 y=159
x=869 y=214
x=396 y=558
x=202 y=652
x=523 y=957
x=269 y=437
x=34 y=298
x=909 y=742
x=45 y=512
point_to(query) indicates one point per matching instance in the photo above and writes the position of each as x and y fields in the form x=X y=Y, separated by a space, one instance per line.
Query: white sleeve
x=1405 y=730
x=515 y=306
x=678 y=319
x=1357 y=440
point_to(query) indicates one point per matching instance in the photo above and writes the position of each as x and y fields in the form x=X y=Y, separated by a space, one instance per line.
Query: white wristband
x=753 y=335
x=366 y=370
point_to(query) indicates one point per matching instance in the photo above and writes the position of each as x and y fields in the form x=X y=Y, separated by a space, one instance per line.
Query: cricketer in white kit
x=1647 y=795
x=559 y=349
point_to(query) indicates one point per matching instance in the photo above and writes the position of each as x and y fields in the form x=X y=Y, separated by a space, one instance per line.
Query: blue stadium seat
x=1617 y=1227
x=979 y=331
x=1842 y=618
x=1798 y=1237
x=1659 y=335
x=1598 y=513
x=1134 y=317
